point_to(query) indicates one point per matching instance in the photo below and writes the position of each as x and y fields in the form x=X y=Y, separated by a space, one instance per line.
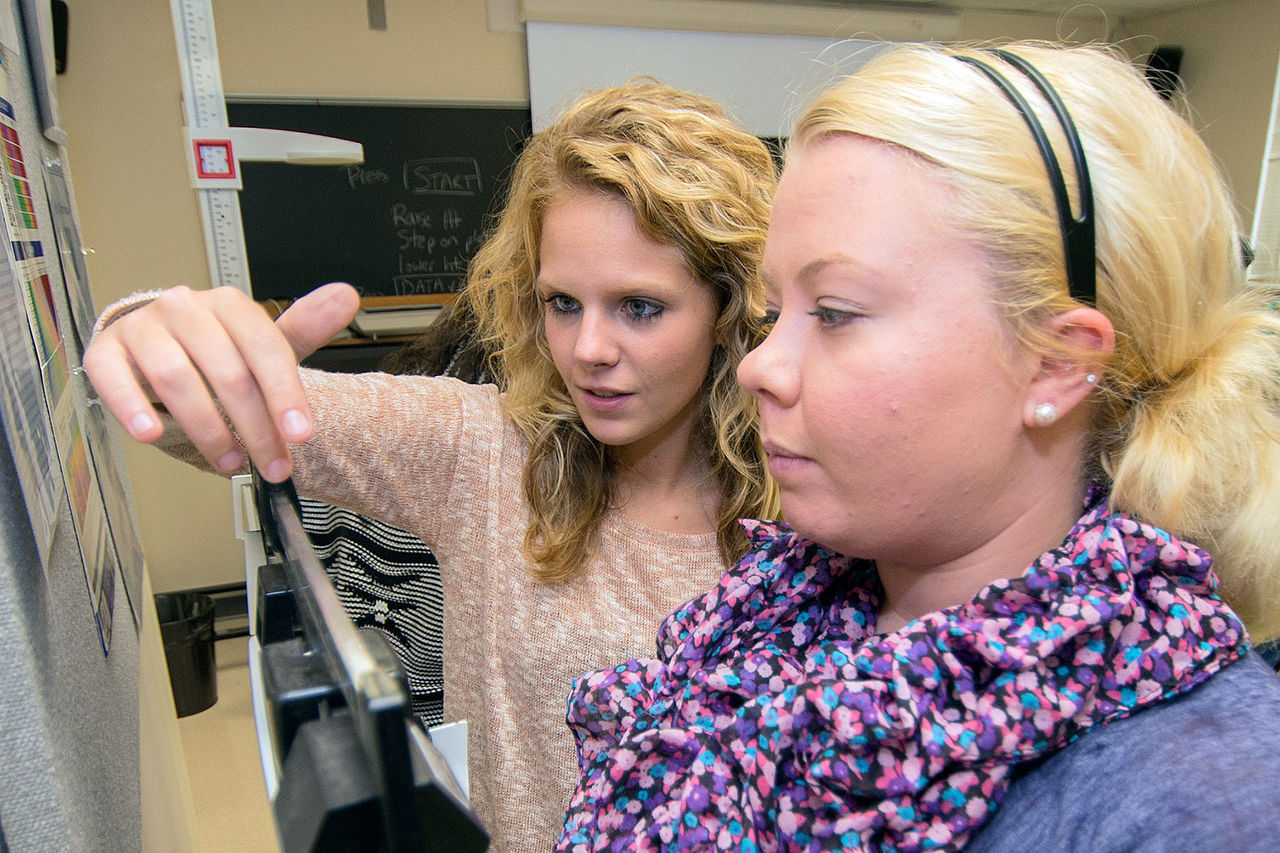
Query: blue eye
x=641 y=309
x=558 y=303
x=832 y=316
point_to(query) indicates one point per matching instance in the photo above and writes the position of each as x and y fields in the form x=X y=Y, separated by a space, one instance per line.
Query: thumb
x=314 y=320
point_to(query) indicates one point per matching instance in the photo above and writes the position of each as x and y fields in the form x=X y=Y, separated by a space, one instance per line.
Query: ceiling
x=1055 y=7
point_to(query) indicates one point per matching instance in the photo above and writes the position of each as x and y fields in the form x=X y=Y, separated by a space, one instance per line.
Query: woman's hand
x=188 y=348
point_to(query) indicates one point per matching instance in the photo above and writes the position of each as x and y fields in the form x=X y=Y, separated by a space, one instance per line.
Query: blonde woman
x=1024 y=413
x=573 y=509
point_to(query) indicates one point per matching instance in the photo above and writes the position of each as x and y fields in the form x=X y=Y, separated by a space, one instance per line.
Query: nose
x=596 y=344
x=771 y=371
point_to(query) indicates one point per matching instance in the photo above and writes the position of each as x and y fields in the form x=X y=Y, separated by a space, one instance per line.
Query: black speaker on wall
x=1162 y=68
x=60 y=17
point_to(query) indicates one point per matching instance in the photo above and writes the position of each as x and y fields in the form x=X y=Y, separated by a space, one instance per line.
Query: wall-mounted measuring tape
x=214 y=150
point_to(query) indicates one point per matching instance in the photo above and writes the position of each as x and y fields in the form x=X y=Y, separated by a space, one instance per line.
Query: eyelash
x=554 y=303
x=832 y=316
x=824 y=316
x=649 y=310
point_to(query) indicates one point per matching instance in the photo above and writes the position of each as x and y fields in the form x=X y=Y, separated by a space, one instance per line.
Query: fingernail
x=294 y=423
x=277 y=470
x=230 y=461
x=140 y=423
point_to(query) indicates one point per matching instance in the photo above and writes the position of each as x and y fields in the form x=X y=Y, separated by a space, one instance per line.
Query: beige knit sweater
x=438 y=458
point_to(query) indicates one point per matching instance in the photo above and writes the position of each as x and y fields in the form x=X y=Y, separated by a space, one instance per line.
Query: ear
x=1085 y=341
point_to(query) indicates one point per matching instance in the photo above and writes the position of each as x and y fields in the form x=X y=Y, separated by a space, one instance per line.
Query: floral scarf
x=775 y=718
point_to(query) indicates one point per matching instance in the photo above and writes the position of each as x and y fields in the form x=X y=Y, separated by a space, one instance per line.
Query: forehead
x=863 y=196
x=586 y=222
x=858 y=172
x=594 y=239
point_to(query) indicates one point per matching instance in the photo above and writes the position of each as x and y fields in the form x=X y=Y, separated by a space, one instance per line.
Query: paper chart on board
x=69 y=252
x=51 y=440
x=119 y=526
x=88 y=514
x=28 y=426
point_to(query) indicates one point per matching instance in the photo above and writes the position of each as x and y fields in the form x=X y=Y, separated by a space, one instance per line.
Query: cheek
x=703 y=355
x=688 y=352
x=867 y=420
x=843 y=426
x=559 y=343
x=681 y=370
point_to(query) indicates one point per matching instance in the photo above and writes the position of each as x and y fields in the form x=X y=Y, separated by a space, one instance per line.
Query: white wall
x=763 y=81
x=1230 y=54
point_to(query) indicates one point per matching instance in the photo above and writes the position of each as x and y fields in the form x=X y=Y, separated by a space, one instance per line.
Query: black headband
x=1077 y=231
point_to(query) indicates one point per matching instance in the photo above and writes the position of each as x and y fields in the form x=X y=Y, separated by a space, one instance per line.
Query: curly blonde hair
x=1187 y=431
x=695 y=181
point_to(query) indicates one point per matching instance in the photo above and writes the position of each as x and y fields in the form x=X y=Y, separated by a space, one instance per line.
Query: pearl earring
x=1045 y=414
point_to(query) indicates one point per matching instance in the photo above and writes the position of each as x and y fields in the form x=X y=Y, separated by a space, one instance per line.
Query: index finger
x=111 y=373
x=272 y=363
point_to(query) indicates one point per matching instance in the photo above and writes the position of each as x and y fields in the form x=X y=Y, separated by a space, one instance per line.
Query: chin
x=609 y=438
x=820 y=532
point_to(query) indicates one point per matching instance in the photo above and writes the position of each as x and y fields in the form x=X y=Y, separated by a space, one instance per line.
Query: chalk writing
x=401 y=214
x=406 y=221
x=423 y=285
x=359 y=176
x=443 y=176
x=432 y=248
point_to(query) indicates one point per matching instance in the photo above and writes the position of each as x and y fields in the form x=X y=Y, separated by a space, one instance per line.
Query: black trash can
x=186 y=626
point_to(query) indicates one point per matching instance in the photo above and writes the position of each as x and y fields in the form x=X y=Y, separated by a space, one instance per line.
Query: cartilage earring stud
x=1046 y=413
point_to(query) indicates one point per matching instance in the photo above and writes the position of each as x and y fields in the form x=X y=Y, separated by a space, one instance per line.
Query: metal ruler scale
x=214 y=150
x=206 y=109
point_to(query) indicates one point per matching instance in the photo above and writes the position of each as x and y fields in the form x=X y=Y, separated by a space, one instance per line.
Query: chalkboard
x=405 y=222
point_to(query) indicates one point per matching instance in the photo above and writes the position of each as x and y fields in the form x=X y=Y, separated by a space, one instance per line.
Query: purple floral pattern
x=775 y=718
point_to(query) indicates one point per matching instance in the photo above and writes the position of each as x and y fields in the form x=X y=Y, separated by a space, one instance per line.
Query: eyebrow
x=647 y=287
x=816 y=266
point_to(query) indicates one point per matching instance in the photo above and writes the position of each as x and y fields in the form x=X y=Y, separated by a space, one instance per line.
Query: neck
x=1038 y=525
x=679 y=496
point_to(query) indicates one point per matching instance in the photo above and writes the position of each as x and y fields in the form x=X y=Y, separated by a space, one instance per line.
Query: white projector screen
x=763 y=80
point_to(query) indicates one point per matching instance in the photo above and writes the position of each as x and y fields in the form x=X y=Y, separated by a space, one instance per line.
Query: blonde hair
x=1187 y=431
x=695 y=181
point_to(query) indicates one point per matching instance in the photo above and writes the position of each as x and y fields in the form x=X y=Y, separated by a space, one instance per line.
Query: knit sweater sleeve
x=413 y=451
x=409 y=450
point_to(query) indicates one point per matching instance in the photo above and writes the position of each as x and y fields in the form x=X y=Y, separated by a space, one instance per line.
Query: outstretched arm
x=192 y=351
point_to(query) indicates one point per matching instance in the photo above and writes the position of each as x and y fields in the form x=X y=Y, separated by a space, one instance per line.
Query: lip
x=773 y=449
x=784 y=463
x=593 y=398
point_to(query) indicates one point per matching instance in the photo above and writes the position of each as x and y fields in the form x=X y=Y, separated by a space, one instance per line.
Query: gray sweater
x=1197 y=773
